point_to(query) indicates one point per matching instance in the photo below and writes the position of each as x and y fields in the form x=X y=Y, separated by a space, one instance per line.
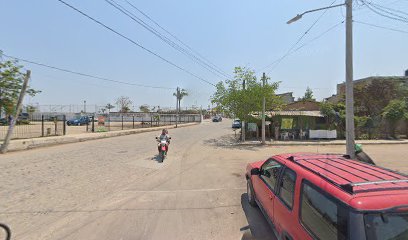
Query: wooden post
x=6 y=142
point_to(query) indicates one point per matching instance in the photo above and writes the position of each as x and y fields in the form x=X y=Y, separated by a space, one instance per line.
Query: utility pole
x=263 y=108
x=243 y=122
x=350 y=137
x=177 y=105
x=6 y=142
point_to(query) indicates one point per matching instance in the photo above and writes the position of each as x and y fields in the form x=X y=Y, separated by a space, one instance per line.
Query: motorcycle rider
x=164 y=136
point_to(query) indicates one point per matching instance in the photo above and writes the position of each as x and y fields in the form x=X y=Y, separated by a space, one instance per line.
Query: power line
x=379 y=10
x=134 y=42
x=82 y=74
x=382 y=27
x=175 y=37
x=275 y=63
x=165 y=39
x=319 y=36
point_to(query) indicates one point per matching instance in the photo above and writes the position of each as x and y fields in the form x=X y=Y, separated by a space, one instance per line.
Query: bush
x=23 y=122
x=101 y=129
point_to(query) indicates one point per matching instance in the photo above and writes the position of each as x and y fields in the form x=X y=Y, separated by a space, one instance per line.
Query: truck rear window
x=322 y=216
x=387 y=226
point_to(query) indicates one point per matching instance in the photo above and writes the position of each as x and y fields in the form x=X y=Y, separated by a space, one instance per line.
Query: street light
x=350 y=137
x=299 y=16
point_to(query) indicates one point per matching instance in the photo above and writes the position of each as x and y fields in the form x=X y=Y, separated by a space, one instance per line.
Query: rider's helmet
x=164 y=131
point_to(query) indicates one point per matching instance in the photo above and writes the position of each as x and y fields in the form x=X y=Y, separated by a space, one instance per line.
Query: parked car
x=24 y=116
x=217 y=119
x=324 y=196
x=83 y=120
x=3 y=122
x=236 y=124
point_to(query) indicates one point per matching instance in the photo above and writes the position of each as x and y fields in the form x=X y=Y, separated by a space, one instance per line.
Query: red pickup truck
x=327 y=196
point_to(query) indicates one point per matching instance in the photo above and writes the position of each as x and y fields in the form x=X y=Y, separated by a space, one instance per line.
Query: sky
x=228 y=33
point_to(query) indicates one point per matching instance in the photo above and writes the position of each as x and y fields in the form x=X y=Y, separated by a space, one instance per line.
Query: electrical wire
x=379 y=10
x=82 y=74
x=377 y=26
x=171 y=43
x=133 y=42
x=275 y=63
x=174 y=36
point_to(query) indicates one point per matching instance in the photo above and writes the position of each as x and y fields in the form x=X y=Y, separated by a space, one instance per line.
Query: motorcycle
x=163 y=146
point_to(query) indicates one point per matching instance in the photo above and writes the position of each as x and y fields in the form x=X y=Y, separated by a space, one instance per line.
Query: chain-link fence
x=34 y=126
x=123 y=121
x=49 y=124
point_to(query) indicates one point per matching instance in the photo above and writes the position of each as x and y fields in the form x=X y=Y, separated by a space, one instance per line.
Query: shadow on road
x=156 y=158
x=230 y=142
x=258 y=228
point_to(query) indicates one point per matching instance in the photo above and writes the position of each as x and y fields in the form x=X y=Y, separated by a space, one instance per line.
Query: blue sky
x=229 y=33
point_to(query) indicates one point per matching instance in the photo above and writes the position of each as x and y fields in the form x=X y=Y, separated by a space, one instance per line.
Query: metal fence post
x=64 y=128
x=133 y=121
x=42 y=125
x=109 y=123
x=56 y=124
x=93 y=123
x=122 y=122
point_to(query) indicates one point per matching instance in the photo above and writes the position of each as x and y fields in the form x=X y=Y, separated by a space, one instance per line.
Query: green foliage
x=124 y=104
x=308 y=95
x=101 y=129
x=31 y=109
x=371 y=99
x=109 y=106
x=180 y=95
x=395 y=111
x=11 y=82
x=23 y=122
x=144 y=108
x=231 y=97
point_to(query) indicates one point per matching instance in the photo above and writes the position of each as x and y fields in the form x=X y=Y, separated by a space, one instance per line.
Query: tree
x=308 y=95
x=109 y=107
x=180 y=95
x=232 y=98
x=11 y=82
x=370 y=99
x=31 y=109
x=124 y=104
x=144 y=108
x=393 y=112
x=327 y=110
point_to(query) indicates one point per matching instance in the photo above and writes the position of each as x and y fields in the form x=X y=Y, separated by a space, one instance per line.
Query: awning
x=291 y=113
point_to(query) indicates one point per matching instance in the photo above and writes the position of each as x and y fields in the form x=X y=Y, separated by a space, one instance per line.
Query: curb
x=26 y=144
x=322 y=143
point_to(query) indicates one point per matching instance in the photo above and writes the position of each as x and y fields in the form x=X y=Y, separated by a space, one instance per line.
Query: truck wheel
x=251 y=194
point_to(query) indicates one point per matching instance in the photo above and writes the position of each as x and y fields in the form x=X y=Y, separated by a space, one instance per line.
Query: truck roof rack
x=350 y=186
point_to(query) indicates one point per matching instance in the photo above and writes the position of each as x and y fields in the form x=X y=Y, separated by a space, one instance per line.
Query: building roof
x=378 y=78
x=291 y=113
x=296 y=113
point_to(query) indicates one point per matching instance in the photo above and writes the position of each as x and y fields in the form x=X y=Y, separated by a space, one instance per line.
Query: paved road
x=115 y=188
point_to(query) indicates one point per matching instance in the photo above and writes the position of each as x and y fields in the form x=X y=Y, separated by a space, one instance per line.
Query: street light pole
x=350 y=135
x=349 y=81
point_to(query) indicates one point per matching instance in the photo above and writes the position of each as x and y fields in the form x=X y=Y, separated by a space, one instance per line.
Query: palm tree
x=109 y=107
x=180 y=94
